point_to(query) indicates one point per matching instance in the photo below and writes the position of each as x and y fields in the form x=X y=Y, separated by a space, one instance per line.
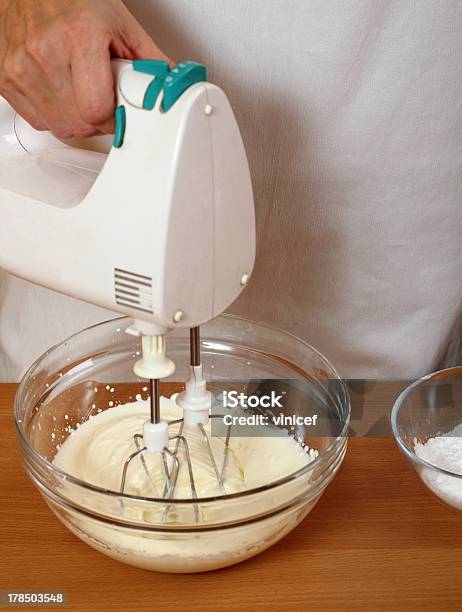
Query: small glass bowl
x=93 y=371
x=431 y=407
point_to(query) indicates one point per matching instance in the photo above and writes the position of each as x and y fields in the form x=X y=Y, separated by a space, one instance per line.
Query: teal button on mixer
x=152 y=92
x=157 y=68
x=179 y=79
x=120 y=121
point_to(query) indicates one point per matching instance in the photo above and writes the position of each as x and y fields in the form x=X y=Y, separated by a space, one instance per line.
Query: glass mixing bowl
x=431 y=407
x=93 y=371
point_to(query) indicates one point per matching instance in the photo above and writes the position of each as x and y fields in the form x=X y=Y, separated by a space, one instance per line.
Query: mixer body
x=159 y=227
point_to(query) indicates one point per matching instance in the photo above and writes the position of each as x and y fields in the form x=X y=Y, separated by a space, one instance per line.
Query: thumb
x=139 y=45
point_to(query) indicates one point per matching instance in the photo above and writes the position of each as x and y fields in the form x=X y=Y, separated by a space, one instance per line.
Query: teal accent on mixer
x=120 y=122
x=179 y=79
x=152 y=92
x=157 y=68
x=173 y=83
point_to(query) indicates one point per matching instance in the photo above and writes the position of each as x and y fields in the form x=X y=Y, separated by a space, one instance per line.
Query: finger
x=24 y=75
x=108 y=127
x=135 y=43
x=56 y=71
x=93 y=86
x=141 y=44
x=60 y=83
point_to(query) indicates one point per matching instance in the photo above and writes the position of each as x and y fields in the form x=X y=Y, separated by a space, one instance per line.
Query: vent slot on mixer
x=133 y=290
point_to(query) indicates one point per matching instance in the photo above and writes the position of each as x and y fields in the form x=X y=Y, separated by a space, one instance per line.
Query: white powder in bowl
x=444 y=452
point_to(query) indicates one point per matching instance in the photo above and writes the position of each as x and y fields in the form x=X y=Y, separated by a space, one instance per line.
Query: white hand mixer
x=159 y=226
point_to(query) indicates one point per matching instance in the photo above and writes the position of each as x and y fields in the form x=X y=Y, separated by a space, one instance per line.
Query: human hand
x=55 y=61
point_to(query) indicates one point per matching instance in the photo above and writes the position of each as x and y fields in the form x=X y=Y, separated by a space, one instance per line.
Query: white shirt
x=351 y=116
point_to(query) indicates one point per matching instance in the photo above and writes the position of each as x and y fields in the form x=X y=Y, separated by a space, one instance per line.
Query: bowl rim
x=394 y=416
x=187 y=501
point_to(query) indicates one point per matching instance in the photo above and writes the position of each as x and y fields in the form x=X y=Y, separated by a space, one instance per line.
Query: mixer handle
x=139 y=87
x=35 y=141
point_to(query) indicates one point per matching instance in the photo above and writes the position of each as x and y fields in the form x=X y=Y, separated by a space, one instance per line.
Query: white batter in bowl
x=76 y=413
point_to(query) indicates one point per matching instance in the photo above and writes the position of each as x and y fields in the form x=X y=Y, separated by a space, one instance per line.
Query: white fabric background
x=351 y=115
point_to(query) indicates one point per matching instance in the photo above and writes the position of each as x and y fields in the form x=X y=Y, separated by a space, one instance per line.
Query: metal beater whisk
x=195 y=401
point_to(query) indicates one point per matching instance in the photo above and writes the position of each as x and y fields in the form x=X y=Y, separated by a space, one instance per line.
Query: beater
x=158 y=225
x=195 y=401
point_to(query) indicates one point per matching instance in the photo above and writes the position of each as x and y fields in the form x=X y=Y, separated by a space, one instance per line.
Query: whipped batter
x=97 y=450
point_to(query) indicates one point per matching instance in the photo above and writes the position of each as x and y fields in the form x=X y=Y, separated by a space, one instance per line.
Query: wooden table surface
x=375 y=541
